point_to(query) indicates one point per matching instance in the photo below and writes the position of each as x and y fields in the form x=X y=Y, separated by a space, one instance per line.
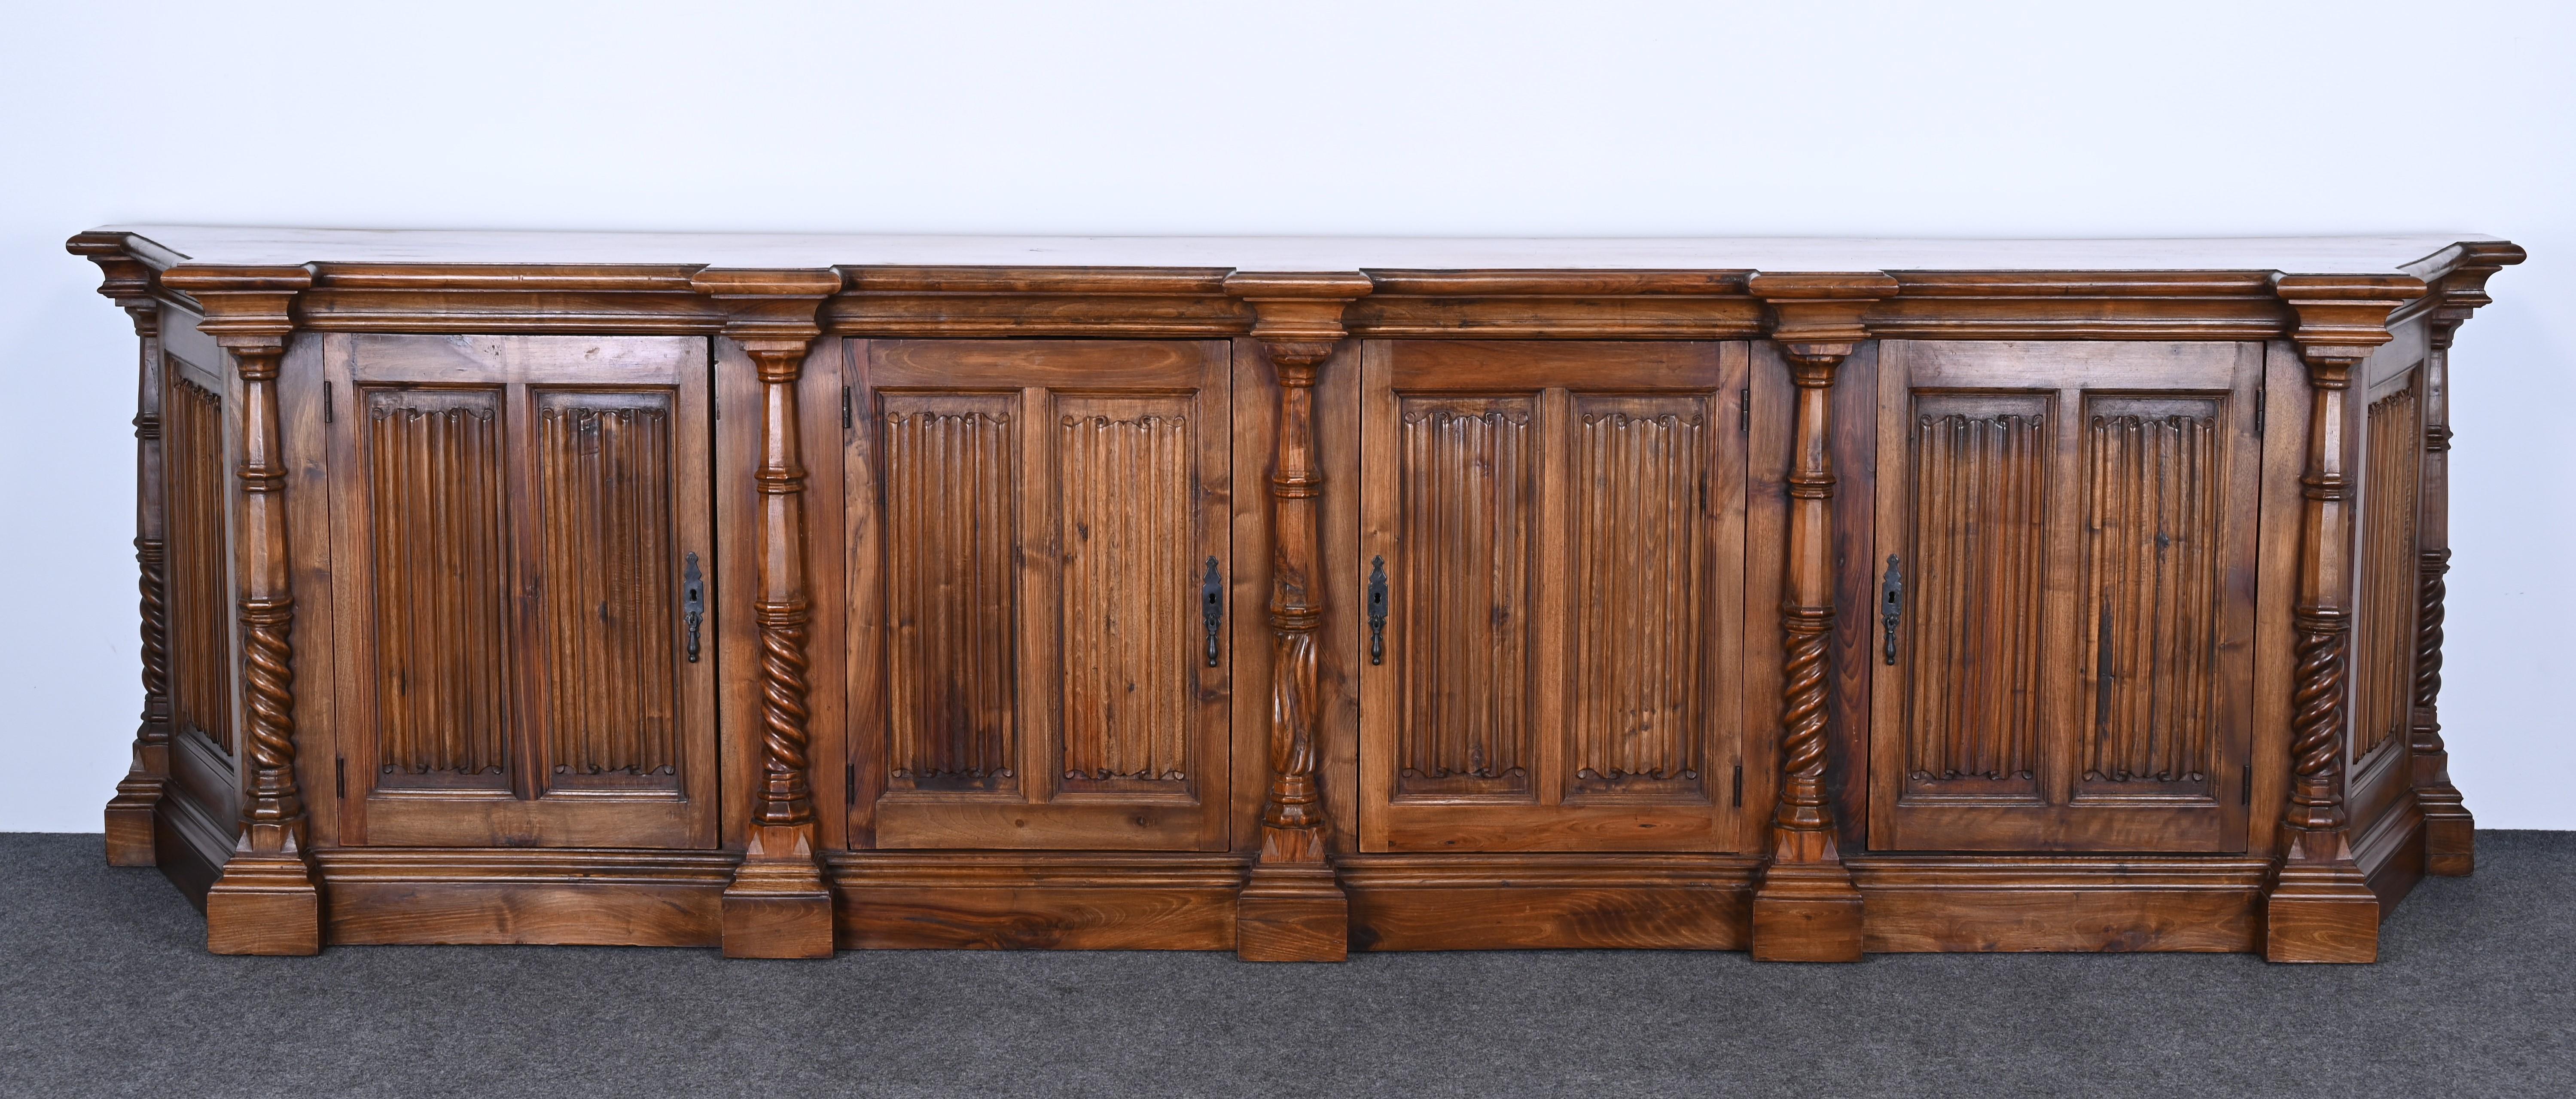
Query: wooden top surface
x=2416 y=254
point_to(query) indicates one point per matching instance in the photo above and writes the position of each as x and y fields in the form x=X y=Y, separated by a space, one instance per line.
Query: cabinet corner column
x=778 y=904
x=268 y=899
x=1806 y=909
x=2319 y=907
x=1293 y=908
x=130 y=814
x=2450 y=831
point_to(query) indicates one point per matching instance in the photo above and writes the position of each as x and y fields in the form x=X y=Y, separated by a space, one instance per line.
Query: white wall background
x=1591 y=118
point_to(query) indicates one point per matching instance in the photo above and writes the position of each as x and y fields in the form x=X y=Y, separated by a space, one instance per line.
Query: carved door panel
x=520 y=534
x=1040 y=528
x=2064 y=656
x=1552 y=538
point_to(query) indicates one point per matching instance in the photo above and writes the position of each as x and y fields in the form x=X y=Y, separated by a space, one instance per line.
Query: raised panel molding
x=605 y=475
x=952 y=540
x=2151 y=528
x=434 y=501
x=2393 y=441
x=1470 y=518
x=1639 y=496
x=200 y=575
x=1130 y=589
x=1975 y=578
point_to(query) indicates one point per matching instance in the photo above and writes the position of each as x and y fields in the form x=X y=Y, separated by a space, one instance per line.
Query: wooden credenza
x=1291 y=596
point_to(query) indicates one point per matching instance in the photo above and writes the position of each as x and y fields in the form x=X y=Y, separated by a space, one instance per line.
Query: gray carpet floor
x=107 y=990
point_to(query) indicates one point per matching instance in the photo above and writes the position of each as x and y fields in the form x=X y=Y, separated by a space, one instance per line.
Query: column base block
x=1292 y=914
x=1807 y=912
x=265 y=905
x=129 y=822
x=2321 y=912
x=2450 y=833
x=778 y=909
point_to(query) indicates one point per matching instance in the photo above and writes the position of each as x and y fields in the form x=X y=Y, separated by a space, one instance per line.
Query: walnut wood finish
x=415 y=513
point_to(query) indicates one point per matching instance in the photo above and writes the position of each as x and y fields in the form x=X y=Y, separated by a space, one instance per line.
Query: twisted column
x=1292 y=907
x=778 y=904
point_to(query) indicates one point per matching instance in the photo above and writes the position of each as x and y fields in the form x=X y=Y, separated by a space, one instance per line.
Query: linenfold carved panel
x=1125 y=493
x=1975 y=615
x=605 y=483
x=1637 y=503
x=201 y=592
x=952 y=486
x=1469 y=507
x=2153 y=491
x=2393 y=445
x=434 y=500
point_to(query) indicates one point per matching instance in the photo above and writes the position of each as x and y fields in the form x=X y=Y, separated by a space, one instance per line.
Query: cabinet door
x=1556 y=529
x=518 y=525
x=1041 y=525
x=2065 y=653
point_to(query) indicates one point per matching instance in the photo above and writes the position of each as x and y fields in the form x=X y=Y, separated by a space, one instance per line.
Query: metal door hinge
x=1744 y=410
x=326 y=402
x=2245 y=788
x=340 y=776
x=845 y=408
x=850 y=777
x=1739 y=786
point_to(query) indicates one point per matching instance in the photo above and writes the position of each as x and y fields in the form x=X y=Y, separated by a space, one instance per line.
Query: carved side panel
x=952 y=483
x=1638 y=501
x=605 y=481
x=434 y=517
x=2153 y=492
x=200 y=583
x=1975 y=612
x=2391 y=478
x=1130 y=590
x=1468 y=479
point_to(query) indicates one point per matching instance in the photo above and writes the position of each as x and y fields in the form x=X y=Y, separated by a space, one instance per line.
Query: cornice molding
x=2336 y=320
x=1297 y=315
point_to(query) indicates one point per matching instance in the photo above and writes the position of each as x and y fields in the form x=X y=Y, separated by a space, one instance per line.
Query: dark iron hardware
x=1212 y=606
x=1891 y=603
x=1377 y=611
x=693 y=601
x=1739 y=785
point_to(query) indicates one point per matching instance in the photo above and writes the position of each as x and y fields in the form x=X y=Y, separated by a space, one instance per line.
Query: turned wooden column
x=1806 y=908
x=268 y=900
x=778 y=904
x=1292 y=908
x=2450 y=832
x=2320 y=907
x=128 y=282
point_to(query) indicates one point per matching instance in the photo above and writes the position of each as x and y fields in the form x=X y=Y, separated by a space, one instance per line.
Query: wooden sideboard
x=1291 y=596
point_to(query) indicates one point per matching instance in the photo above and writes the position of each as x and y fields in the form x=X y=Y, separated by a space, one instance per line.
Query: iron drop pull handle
x=1212 y=606
x=693 y=601
x=1891 y=603
x=1377 y=611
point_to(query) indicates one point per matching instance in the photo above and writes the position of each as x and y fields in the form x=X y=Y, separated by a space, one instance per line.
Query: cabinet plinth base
x=1807 y=913
x=264 y=904
x=778 y=909
x=1292 y=914
x=2450 y=833
x=2321 y=912
x=129 y=822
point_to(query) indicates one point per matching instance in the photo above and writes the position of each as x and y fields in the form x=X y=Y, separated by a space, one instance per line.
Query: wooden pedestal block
x=1807 y=914
x=1292 y=915
x=778 y=910
x=129 y=821
x=2450 y=834
x=2321 y=913
x=264 y=905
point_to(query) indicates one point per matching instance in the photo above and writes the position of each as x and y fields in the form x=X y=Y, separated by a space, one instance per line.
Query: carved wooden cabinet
x=788 y=594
